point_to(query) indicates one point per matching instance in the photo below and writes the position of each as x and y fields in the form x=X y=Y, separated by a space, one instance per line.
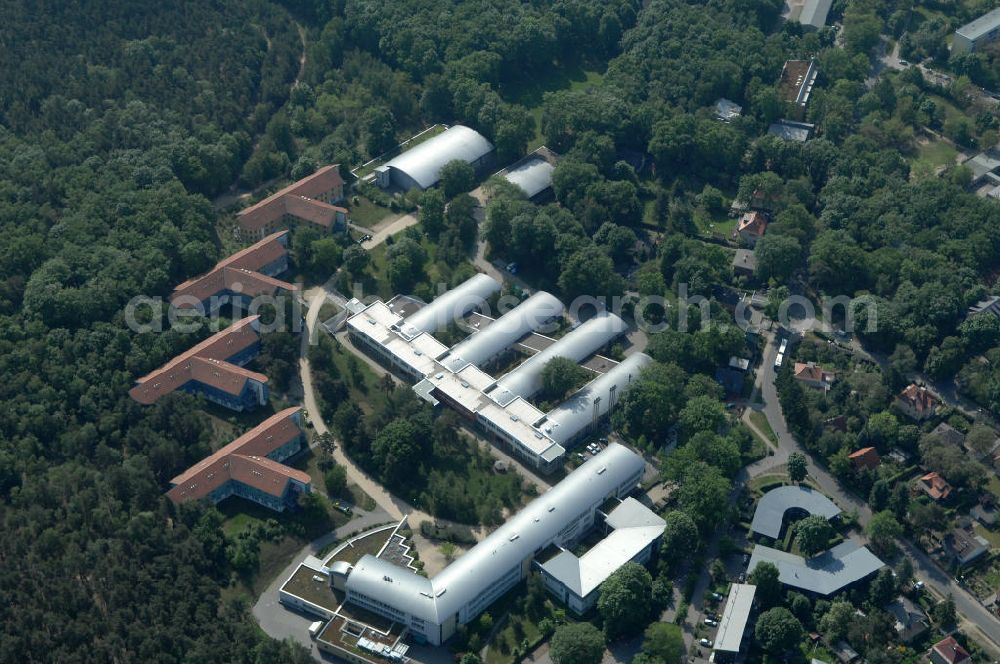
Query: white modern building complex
x=402 y=339
x=576 y=580
x=975 y=34
x=421 y=165
x=432 y=609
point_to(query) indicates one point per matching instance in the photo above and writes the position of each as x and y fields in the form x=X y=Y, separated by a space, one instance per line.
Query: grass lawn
x=992 y=536
x=529 y=91
x=929 y=157
x=367 y=213
x=353 y=552
x=760 y=421
x=718 y=223
x=993 y=485
x=242 y=515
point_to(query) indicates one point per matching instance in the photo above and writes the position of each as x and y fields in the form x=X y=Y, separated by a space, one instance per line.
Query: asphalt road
x=937 y=581
x=281 y=623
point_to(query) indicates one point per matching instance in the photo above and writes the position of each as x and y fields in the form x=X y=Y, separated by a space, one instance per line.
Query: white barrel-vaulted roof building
x=434 y=608
x=593 y=401
x=421 y=165
x=450 y=306
x=526 y=379
x=499 y=335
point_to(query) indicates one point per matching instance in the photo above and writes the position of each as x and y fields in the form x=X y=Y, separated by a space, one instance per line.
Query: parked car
x=711 y=623
x=716 y=596
x=706 y=643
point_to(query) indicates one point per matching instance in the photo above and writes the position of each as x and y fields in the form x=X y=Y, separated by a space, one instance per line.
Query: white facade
x=975 y=34
x=433 y=608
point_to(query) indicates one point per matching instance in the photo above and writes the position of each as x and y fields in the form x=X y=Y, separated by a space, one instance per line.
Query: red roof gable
x=288 y=201
x=244 y=460
x=920 y=399
x=866 y=457
x=936 y=486
x=950 y=650
x=205 y=362
x=242 y=267
x=753 y=223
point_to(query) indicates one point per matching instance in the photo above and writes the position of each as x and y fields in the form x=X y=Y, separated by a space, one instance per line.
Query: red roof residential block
x=206 y=363
x=813 y=373
x=936 y=486
x=919 y=400
x=753 y=223
x=298 y=199
x=244 y=460
x=241 y=268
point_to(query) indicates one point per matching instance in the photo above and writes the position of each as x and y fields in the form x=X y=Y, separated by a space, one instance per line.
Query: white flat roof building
x=434 y=608
x=576 y=580
x=733 y=624
x=974 y=34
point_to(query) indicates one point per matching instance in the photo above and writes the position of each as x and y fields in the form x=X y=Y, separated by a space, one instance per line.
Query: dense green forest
x=118 y=122
x=115 y=118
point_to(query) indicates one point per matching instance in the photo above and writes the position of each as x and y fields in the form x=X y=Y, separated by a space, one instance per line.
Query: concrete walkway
x=384 y=229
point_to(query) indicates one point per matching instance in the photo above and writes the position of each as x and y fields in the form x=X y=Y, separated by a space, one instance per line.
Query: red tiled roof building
x=247 y=273
x=866 y=458
x=308 y=201
x=948 y=651
x=935 y=486
x=751 y=227
x=917 y=402
x=213 y=369
x=250 y=467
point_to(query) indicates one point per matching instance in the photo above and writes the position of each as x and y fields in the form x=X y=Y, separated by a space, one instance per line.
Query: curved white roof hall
x=580 y=410
x=533 y=528
x=450 y=305
x=489 y=342
x=526 y=379
x=423 y=162
x=533 y=176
